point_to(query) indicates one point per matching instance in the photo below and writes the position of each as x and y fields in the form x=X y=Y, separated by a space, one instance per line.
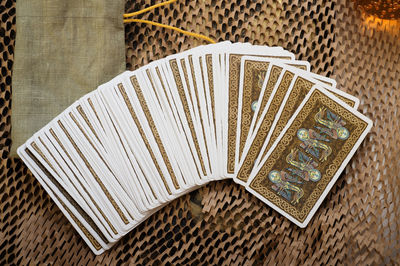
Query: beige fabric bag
x=64 y=49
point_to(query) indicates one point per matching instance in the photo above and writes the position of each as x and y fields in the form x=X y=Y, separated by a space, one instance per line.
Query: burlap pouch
x=64 y=49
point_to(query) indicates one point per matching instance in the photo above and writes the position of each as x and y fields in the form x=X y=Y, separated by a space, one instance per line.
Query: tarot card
x=254 y=143
x=199 y=80
x=92 y=184
x=105 y=187
x=209 y=88
x=150 y=121
x=97 y=160
x=67 y=181
x=126 y=116
x=255 y=71
x=309 y=155
x=195 y=64
x=219 y=78
x=162 y=120
x=296 y=93
x=53 y=143
x=133 y=161
x=292 y=84
x=185 y=110
x=172 y=116
x=112 y=141
x=232 y=98
x=78 y=119
x=275 y=71
x=168 y=120
x=241 y=111
x=187 y=71
x=203 y=72
x=76 y=216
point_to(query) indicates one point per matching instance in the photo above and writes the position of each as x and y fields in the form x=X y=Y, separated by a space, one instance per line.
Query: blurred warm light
x=384 y=9
x=384 y=25
x=379 y=24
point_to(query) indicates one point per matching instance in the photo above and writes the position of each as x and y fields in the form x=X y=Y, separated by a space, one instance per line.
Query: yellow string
x=148 y=9
x=127 y=20
x=200 y=36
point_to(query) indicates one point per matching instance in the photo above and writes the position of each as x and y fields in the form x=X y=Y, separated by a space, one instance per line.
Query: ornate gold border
x=211 y=85
x=78 y=180
x=265 y=126
x=233 y=94
x=186 y=75
x=251 y=68
x=153 y=128
x=181 y=92
x=190 y=58
x=84 y=116
x=39 y=151
x=94 y=174
x=86 y=232
x=272 y=80
x=299 y=91
x=321 y=99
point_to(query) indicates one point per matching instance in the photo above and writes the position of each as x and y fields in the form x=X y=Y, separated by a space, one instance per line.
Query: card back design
x=265 y=126
x=300 y=89
x=254 y=75
x=185 y=104
x=84 y=230
x=309 y=155
x=272 y=80
x=153 y=128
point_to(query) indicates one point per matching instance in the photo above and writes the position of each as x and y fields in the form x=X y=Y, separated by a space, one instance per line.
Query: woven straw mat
x=221 y=223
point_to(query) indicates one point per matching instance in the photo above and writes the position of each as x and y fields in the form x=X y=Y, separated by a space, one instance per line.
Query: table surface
x=221 y=223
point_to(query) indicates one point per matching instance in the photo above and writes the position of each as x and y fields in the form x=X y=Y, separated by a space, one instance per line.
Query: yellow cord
x=200 y=36
x=148 y=9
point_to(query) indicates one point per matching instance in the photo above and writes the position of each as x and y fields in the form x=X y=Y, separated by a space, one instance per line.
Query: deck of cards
x=228 y=110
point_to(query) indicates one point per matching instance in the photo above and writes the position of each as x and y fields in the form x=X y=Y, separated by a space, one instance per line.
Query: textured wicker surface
x=222 y=223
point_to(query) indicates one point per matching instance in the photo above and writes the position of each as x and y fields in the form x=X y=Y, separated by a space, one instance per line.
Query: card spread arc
x=250 y=113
